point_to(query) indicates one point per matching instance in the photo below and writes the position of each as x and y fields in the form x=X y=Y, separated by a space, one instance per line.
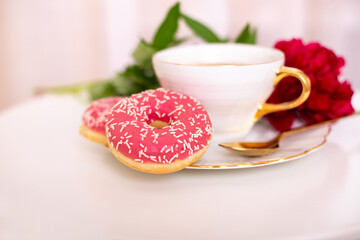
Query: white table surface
x=54 y=184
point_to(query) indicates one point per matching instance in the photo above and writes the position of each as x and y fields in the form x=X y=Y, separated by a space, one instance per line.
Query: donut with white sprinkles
x=158 y=131
x=94 y=119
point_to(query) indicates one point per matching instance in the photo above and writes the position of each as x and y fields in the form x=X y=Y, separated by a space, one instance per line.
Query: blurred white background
x=57 y=42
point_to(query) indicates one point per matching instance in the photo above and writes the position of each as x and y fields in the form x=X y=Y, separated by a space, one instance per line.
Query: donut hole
x=158 y=119
x=159 y=124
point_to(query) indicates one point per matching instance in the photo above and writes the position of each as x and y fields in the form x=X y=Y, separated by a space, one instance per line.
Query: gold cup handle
x=286 y=72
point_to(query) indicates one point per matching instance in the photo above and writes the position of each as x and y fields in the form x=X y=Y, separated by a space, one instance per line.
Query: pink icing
x=129 y=132
x=94 y=116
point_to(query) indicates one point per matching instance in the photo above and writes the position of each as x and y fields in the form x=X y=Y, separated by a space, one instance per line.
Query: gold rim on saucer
x=262 y=163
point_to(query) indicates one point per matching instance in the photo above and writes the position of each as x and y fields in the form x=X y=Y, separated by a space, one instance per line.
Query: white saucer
x=292 y=147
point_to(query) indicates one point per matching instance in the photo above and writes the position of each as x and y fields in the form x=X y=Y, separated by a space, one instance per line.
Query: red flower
x=329 y=98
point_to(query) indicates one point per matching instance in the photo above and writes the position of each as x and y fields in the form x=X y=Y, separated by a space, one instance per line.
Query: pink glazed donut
x=94 y=119
x=158 y=131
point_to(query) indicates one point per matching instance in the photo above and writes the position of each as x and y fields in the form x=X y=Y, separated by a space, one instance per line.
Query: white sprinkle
x=110 y=121
x=175 y=156
x=179 y=135
x=163 y=148
x=169 y=114
x=153 y=158
x=158 y=114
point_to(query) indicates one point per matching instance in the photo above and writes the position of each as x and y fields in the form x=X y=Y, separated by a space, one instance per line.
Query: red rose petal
x=343 y=91
x=318 y=102
x=281 y=121
x=327 y=83
x=312 y=117
x=287 y=90
x=341 y=108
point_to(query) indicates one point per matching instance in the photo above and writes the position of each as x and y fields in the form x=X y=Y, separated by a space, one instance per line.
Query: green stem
x=73 y=89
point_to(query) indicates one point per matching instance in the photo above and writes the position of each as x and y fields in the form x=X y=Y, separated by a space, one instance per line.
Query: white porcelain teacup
x=232 y=81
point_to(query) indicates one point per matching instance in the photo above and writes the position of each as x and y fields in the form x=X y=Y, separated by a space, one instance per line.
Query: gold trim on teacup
x=216 y=65
x=155 y=58
x=225 y=166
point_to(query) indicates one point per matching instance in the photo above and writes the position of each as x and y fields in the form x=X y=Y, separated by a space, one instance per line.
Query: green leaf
x=253 y=36
x=101 y=89
x=135 y=79
x=179 y=41
x=244 y=35
x=247 y=35
x=201 y=30
x=140 y=75
x=125 y=86
x=143 y=53
x=166 y=32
